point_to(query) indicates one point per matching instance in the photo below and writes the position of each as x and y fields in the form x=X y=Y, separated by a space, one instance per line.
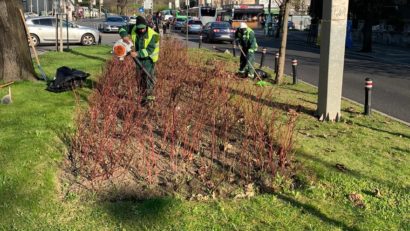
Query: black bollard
x=276 y=62
x=263 y=57
x=234 y=49
x=368 y=96
x=294 y=66
x=200 y=41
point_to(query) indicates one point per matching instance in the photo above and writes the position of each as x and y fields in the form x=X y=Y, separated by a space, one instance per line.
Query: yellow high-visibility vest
x=151 y=35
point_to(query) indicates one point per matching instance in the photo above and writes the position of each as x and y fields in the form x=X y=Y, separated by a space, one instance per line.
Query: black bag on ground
x=263 y=74
x=67 y=79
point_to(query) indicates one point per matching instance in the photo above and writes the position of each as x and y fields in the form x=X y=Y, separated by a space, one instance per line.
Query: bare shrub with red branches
x=203 y=135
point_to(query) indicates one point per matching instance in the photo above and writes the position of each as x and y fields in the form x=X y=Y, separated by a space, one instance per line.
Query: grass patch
x=374 y=152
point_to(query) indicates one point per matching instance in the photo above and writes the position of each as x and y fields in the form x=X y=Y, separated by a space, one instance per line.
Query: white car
x=43 y=31
x=168 y=17
x=133 y=20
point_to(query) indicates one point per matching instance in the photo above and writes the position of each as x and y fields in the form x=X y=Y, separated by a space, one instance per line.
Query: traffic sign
x=141 y=9
x=148 y=4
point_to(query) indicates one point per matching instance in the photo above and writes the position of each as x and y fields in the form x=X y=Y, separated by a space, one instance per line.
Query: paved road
x=389 y=68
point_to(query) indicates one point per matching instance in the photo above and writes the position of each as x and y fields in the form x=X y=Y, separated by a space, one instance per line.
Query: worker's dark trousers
x=243 y=61
x=147 y=83
x=245 y=67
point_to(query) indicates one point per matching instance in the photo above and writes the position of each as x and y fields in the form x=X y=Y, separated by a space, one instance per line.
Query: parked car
x=126 y=18
x=178 y=23
x=43 y=31
x=30 y=15
x=218 y=31
x=112 y=24
x=291 y=25
x=193 y=26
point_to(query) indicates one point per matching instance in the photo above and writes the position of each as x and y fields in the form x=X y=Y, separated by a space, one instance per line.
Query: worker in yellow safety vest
x=146 y=48
x=245 y=37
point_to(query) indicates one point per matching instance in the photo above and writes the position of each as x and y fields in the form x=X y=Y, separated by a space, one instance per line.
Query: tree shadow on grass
x=144 y=213
x=388 y=132
x=398 y=149
x=282 y=106
x=87 y=56
x=300 y=91
x=354 y=173
x=307 y=101
x=313 y=211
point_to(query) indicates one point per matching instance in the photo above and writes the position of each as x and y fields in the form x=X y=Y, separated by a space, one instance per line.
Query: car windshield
x=115 y=19
x=180 y=20
x=64 y=23
x=195 y=22
x=47 y=21
x=221 y=25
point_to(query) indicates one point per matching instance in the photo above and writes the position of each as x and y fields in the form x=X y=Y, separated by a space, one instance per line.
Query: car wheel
x=87 y=39
x=35 y=39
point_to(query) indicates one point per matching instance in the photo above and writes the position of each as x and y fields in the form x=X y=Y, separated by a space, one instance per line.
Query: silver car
x=179 y=23
x=112 y=24
x=194 y=26
x=43 y=31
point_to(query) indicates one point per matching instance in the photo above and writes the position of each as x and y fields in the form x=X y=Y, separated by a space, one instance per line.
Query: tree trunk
x=282 y=51
x=367 y=36
x=15 y=58
x=122 y=5
x=280 y=19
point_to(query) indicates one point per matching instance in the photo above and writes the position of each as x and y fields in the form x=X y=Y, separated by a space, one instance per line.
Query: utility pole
x=270 y=14
x=100 y=5
x=332 y=53
x=90 y=8
x=187 y=16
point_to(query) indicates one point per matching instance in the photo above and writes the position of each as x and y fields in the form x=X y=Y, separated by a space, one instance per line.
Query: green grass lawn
x=375 y=150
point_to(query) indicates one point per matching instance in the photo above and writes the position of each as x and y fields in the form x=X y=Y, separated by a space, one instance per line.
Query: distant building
x=40 y=7
x=47 y=7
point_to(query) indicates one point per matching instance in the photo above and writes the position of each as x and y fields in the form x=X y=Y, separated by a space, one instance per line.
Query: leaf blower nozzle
x=121 y=49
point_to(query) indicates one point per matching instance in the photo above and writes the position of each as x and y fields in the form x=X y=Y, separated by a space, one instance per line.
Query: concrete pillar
x=332 y=52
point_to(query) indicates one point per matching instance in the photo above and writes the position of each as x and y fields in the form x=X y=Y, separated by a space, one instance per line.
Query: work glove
x=134 y=53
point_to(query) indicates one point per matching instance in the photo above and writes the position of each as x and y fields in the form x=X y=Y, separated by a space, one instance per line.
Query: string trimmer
x=260 y=82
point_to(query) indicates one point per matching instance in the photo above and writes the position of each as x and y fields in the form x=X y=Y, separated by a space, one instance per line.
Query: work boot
x=240 y=73
x=148 y=100
x=150 y=97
